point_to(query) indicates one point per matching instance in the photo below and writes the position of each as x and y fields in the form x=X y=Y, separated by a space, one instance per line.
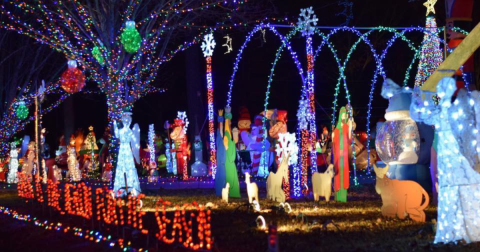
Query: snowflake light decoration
x=208 y=45
x=183 y=115
x=307 y=21
x=287 y=144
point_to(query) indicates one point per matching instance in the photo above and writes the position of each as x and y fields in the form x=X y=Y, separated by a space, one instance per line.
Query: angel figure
x=129 y=149
x=459 y=183
x=73 y=172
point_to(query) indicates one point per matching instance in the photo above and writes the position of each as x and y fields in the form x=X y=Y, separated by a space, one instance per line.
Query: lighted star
x=430 y=4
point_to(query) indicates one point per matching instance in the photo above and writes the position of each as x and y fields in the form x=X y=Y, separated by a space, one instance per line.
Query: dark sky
x=251 y=79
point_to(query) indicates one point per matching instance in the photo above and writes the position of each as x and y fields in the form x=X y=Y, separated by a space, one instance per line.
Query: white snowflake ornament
x=208 y=45
x=307 y=21
x=287 y=144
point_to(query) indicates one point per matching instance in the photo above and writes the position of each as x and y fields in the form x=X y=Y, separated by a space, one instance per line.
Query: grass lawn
x=353 y=226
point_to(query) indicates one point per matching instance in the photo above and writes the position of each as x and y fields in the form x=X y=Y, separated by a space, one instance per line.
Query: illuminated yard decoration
x=431 y=55
x=129 y=149
x=22 y=111
x=458 y=181
x=307 y=21
x=188 y=225
x=130 y=37
x=342 y=80
x=13 y=165
x=73 y=79
x=207 y=47
x=151 y=144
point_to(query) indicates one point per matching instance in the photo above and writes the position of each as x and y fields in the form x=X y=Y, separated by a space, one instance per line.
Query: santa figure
x=244 y=123
x=180 y=147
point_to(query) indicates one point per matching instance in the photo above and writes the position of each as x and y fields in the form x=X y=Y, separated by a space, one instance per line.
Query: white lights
x=307 y=20
x=129 y=149
x=13 y=165
x=151 y=143
x=208 y=45
x=458 y=182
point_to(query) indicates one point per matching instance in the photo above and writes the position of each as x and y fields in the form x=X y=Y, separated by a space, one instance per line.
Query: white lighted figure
x=129 y=148
x=274 y=181
x=252 y=188
x=13 y=165
x=73 y=172
x=225 y=192
x=458 y=183
x=287 y=149
x=322 y=184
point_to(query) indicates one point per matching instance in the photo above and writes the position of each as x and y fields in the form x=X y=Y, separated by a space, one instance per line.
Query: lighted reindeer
x=399 y=197
x=322 y=184
x=252 y=188
x=225 y=192
x=286 y=148
x=274 y=181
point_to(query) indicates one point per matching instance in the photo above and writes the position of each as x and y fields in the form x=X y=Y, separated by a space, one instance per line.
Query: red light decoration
x=184 y=222
x=24 y=187
x=73 y=79
x=110 y=210
x=53 y=195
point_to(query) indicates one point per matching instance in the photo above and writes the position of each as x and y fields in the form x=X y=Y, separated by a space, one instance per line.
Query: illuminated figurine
x=342 y=139
x=181 y=147
x=244 y=123
x=129 y=149
x=199 y=168
x=13 y=165
x=73 y=172
x=29 y=159
x=231 y=153
x=254 y=143
x=458 y=181
x=401 y=142
x=90 y=151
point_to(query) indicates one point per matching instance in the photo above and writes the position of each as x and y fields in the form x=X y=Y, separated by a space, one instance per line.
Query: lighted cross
x=430 y=6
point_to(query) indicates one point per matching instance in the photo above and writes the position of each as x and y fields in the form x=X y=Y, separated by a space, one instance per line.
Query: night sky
x=251 y=79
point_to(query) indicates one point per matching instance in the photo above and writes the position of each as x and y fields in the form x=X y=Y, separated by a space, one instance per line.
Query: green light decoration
x=22 y=111
x=97 y=54
x=130 y=37
x=431 y=55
